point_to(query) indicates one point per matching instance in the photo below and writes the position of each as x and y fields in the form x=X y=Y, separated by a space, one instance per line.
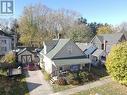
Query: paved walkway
x=36 y=83
x=84 y=87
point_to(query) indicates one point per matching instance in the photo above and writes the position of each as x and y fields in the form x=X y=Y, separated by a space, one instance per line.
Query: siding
x=69 y=50
x=48 y=65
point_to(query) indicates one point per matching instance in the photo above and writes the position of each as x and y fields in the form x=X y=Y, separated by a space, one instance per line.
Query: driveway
x=36 y=83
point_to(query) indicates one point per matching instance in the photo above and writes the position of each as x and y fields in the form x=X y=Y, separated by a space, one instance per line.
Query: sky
x=101 y=11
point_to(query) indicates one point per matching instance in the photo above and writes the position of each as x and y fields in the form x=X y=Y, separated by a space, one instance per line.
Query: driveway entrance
x=36 y=83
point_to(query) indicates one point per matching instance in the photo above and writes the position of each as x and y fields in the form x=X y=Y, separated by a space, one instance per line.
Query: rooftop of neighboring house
x=110 y=38
x=87 y=48
x=90 y=49
x=83 y=46
x=2 y=33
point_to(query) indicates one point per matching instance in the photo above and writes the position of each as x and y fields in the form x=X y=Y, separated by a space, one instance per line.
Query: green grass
x=13 y=86
x=3 y=72
x=112 y=88
x=57 y=88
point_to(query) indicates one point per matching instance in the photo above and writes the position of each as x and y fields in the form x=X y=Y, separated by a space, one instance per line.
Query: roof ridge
x=51 y=54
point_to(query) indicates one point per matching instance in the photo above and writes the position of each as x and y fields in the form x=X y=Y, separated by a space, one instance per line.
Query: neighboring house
x=106 y=41
x=60 y=55
x=25 y=56
x=97 y=56
x=5 y=43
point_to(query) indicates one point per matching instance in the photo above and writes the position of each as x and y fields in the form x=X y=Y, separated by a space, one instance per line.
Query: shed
x=25 y=56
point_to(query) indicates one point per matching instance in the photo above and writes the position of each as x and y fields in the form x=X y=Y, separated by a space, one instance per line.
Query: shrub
x=90 y=77
x=61 y=81
x=70 y=78
x=116 y=63
x=9 y=58
x=47 y=76
x=84 y=76
x=75 y=82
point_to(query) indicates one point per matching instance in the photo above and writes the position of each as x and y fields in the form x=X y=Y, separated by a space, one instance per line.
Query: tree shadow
x=32 y=86
x=26 y=73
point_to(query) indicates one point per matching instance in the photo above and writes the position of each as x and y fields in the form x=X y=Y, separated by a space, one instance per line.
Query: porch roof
x=62 y=62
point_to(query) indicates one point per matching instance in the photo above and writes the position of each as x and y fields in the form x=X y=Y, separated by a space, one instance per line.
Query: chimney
x=105 y=42
x=59 y=36
x=45 y=48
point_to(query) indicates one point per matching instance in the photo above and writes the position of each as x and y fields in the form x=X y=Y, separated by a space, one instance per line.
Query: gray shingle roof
x=83 y=46
x=21 y=51
x=50 y=45
x=60 y=44
x=111 y=38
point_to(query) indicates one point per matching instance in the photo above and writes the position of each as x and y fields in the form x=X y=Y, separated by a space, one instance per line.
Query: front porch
x=62 y=67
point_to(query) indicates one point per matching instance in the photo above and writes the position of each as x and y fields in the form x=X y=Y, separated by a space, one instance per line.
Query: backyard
x=111 y=88
x=12 y=85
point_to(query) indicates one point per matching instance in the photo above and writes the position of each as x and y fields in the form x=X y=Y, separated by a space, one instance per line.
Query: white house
x=5 y=43
x=61 y=55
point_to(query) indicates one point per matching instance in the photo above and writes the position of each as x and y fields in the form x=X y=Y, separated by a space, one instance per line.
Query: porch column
x=89 y=66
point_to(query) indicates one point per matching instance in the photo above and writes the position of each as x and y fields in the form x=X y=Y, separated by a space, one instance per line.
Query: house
x=106 y=41
x=5 y=43
x=25 y=56
x=97 y=56
x=61 y=55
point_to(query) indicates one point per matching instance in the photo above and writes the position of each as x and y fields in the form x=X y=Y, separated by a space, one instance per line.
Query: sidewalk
x=84 y=87
x=36 y=83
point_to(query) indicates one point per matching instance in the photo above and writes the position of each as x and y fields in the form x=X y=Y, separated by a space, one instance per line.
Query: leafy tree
x=82 y=20
x=116 y=63
x=93 y=26
x=104 y=29
x=80 y=33
x=9 y=58
x=39 y=23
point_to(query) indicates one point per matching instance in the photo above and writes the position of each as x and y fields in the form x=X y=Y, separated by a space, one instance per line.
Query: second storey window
x=3 y=41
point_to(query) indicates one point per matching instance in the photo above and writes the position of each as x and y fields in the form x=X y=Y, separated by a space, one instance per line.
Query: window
x=3 y=41
x=3 y=48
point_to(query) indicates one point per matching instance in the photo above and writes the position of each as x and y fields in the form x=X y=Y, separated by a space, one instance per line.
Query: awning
x=62 y=62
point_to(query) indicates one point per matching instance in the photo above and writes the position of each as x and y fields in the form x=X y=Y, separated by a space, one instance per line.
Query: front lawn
x=112 y=88
x=80 y=78
x=13 y=86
